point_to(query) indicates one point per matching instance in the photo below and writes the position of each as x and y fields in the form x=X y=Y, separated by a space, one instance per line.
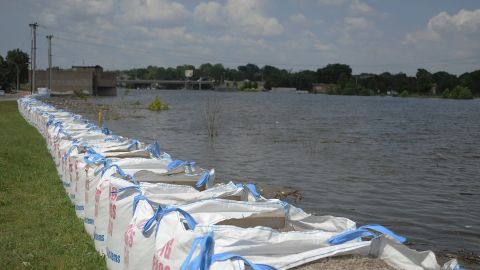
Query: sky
x=369 y=35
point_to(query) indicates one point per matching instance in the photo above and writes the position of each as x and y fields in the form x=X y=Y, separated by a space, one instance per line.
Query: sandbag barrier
x=146 y=210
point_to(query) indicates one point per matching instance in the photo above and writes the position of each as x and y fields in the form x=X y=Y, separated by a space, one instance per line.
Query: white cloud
x=331 y=2
x=464 y=25
x=298 y=19
x=208 y=12
x=358 y=23
x=86 y=7
x=47 y=18
x=246 y=16
x=360 y=7
x=153 y=10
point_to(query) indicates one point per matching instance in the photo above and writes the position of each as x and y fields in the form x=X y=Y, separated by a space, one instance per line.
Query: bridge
x=169 y=84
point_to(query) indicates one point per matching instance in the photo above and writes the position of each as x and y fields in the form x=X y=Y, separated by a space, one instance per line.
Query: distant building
x=322 y=88
x=91 y=80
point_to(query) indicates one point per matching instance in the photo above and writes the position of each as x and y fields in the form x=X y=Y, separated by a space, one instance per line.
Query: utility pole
x=33 y=55
x=49 y=37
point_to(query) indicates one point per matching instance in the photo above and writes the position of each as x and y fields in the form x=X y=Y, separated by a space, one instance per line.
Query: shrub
x=404 y=93
x=365 y=92
x=460 y=92
x=157 y=105
x=446 y=93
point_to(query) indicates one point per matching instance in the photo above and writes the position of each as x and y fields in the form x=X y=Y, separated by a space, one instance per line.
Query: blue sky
x=369 y=35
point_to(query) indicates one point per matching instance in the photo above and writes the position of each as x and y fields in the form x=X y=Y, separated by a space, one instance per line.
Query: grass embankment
x=38 y=225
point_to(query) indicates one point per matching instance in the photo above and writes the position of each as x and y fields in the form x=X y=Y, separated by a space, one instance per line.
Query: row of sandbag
x=145 y=210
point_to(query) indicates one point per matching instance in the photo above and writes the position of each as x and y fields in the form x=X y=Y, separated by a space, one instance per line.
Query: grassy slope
x=38 y=226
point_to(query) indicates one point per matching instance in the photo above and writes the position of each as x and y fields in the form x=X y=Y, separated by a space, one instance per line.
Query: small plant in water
x=213 y=110
x=158 y=105
x=79 y=94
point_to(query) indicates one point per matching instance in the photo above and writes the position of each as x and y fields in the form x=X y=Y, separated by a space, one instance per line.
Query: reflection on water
x=410 y=164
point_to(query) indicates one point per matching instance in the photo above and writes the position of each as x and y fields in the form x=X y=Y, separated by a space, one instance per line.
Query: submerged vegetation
x=213 y=110
x=79 y=94
x=158 y=105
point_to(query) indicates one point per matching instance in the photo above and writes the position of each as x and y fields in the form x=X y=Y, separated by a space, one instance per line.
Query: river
x=407 y=163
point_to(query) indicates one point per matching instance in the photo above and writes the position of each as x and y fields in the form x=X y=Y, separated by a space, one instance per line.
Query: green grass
x=38 y=225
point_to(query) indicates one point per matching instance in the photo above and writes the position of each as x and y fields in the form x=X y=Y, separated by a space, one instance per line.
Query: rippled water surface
x=410 y=164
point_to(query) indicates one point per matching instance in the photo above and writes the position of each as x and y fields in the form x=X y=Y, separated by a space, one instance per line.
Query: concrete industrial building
x=91 y=80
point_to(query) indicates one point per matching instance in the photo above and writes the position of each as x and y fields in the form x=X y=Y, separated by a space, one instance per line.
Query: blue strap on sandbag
x=203 y=180
x=251 y=188
x=112 y=138
x=90 y=126
x=206 y=256
x=49 y=122
x=57 y=124
x=133 y=143
x=188 y=166
x=75 y=144
x=203 y=259
x=92 y=157
x=154 y=149
x=174 y=164
x=372 y=230
x=105 y=130
x=118 y=169
x=136 y=200
x=151 y=220
x=177 y=163
x=231 y=256
x=61 y=131
x=137 y=197
x=161 y=212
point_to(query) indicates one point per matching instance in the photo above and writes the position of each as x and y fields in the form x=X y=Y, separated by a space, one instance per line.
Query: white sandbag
x=272 y=213
x=93 y=194
x=401 y=257
x=135 y=167
x=223 y=244
x=76 y=164
x=139 y=243
x=102 y=193
x=161 y=194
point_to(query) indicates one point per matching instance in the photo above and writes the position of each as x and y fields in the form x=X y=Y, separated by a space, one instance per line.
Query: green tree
x=444 y=80
x=472 y=81
x=17 y=61
x=3 y=74
x=250 y=72
x=332 y=72
x=424 y=81
x=218 y=72
x=205 y=70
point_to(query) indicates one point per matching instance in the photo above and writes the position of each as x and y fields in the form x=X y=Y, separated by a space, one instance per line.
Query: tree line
x=339 y=77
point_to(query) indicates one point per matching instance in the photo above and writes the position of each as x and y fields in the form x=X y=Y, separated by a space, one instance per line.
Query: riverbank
x=38 y=226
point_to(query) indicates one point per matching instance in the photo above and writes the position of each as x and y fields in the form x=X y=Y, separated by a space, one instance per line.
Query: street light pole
x=18 y=77
x=49 y=37
x=33 y=56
